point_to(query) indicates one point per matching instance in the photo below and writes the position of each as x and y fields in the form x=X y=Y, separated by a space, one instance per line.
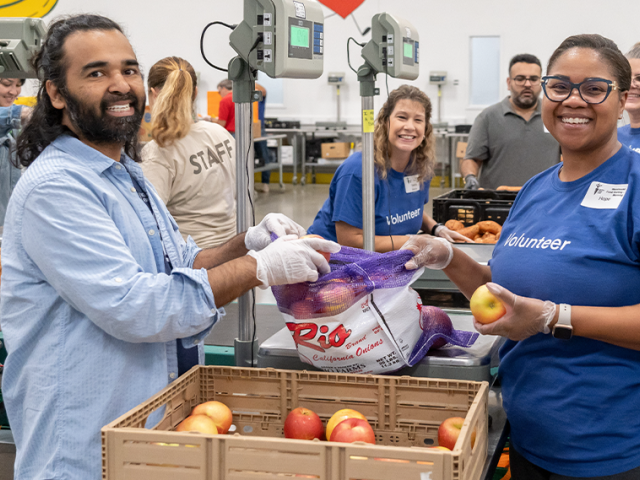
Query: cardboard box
x=335 y=150
x=144 y=134
x=257 y=129
x=405 y=413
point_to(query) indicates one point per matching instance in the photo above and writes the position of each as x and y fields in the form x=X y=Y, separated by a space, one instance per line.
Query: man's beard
x=524 y=103
x=104 y=128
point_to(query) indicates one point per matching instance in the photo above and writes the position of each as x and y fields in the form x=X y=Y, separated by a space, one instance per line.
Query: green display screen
x=408 y=50
x=299 y=37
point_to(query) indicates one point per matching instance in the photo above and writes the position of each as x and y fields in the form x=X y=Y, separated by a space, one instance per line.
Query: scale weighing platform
x=474 y=363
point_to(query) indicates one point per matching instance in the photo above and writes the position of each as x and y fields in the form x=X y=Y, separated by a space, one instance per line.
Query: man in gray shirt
x=508 y=143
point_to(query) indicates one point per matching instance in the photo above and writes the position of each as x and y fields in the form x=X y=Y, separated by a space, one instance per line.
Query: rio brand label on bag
x=361 y=339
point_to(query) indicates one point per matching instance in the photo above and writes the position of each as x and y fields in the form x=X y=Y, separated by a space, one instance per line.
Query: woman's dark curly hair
x=45 y=124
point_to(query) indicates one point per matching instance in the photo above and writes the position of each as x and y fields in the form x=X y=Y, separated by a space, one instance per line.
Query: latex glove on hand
x=471 y=182
x=259 y=237
x=451 y=235
x=432 y=252
x=525 y=316
x=291 y=260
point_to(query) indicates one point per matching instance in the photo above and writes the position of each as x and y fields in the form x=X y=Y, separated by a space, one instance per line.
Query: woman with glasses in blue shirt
x=567 y=268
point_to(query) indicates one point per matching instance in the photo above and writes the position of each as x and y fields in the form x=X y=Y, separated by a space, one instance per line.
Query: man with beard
x=508 y=143
x=102 y=301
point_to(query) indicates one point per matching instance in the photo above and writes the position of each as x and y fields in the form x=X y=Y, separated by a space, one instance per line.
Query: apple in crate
x=216 y=411
x=353 y=430
x=339 y=416
x=326 y=255
x=197 y=423
x=449 y=431
x=485 y=307
x=303 y=424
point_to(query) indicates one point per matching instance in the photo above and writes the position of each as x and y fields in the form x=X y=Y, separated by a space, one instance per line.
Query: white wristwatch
x=563 y=329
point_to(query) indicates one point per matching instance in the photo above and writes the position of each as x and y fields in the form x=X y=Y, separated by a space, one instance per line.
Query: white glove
x=451 y=235
x=431 y=252
x=259 y=237
x=290 y=260
x=525 y=316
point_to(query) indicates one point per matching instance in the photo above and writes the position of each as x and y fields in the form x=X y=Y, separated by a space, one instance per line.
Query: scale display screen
x=408 y=50
x=300 y=37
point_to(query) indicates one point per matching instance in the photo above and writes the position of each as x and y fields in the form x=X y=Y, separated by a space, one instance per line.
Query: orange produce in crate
x=216 y=411
x=197 y=423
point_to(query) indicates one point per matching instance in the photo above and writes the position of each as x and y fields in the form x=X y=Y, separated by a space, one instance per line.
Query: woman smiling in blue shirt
x=404 y=155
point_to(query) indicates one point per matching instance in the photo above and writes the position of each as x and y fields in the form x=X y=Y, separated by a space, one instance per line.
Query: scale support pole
x=244 y=94
x=367 y=79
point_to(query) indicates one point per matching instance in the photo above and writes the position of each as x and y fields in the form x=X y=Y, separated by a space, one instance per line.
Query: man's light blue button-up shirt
x=89 y=316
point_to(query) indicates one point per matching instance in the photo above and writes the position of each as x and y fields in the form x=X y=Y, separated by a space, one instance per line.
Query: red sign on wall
x=342 y=7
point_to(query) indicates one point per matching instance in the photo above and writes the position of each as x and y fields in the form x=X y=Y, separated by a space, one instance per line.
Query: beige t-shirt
x=196 y=179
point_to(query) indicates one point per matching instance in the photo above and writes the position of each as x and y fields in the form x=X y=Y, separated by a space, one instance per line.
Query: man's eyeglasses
x=592 y=90
x=520 y=80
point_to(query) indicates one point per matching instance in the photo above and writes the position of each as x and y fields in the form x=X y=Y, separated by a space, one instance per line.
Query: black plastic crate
x=473 y=206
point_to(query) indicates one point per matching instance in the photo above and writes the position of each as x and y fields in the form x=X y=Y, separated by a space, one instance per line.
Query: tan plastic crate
x=405 y=413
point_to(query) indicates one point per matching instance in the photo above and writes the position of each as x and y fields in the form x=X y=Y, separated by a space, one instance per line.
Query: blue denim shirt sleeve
x=86 y=260
x=9 y=119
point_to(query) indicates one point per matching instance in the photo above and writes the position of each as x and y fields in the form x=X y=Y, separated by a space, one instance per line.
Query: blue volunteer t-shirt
x=396 y=211
x=573 y=405
x=630 y=137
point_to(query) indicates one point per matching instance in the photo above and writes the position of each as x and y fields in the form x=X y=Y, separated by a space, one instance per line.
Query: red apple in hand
x=326 y=255
x=216 y=411
x=353 y=430
x=303 y=424
x=449 y=431
x=485 y=307
x=197 y=423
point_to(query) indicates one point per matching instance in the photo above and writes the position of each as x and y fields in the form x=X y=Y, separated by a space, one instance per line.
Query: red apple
x=197 y=423
x=353 y=430
x=303 y=424
x=449 y=431
x=339 y=416
x=485 y=307
x=326 y=255
x=216 y=411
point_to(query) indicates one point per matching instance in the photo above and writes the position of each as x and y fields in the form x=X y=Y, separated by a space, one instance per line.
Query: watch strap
x=563 y=329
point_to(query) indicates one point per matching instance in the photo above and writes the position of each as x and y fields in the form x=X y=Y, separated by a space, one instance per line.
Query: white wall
x=167 y=27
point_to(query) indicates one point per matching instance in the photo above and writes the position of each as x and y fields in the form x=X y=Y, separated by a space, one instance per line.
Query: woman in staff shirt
x=191 y=164
x=404 y=153
x=567 y=268
x=629 y=135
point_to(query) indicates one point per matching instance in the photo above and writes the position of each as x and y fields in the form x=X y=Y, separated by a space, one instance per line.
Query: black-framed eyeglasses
x=592 y=90
x=520 y=80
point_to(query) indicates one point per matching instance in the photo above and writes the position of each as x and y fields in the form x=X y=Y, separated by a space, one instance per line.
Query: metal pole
x=367 y=78
x=245 y=347
x=338 y=100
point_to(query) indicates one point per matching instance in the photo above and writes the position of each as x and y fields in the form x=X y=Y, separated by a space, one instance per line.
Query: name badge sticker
x=411 y=184
x=604 y=196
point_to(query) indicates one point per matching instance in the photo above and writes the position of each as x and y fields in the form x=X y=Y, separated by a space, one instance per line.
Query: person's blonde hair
x=634 y=52
x=423 y=157
x=172 y=115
